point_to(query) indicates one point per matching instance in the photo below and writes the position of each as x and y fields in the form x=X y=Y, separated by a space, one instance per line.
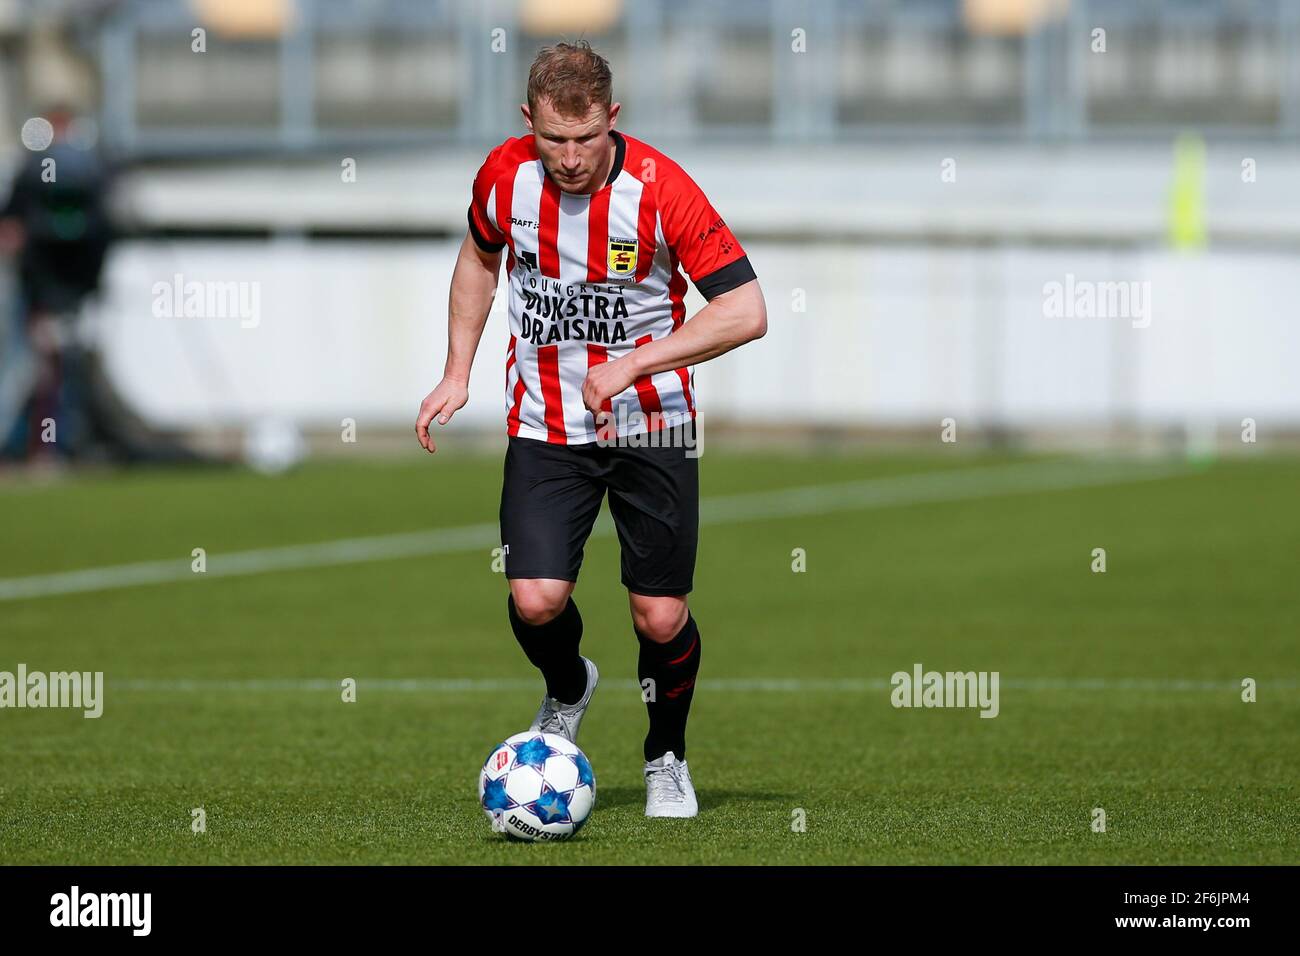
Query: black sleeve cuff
x=729 y=277
x=479 y=238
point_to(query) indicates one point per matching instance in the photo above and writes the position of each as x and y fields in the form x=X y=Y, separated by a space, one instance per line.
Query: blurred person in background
x=55 y=225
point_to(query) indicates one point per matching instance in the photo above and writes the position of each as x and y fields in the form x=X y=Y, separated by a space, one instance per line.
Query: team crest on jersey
x=622 y=256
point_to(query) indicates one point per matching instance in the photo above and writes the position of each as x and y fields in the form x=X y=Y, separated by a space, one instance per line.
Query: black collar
x=620 y=149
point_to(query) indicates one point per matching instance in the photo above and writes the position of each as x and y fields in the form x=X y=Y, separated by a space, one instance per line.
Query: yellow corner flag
x=1187 y=195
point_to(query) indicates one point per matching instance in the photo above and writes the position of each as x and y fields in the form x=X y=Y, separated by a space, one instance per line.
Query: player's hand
x=443 y=402
x=604 y=381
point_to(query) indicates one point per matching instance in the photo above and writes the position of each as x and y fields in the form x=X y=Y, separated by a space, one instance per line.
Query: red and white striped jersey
x=594 y=276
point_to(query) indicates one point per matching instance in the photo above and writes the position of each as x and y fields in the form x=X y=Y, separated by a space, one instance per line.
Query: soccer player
x=596 y=228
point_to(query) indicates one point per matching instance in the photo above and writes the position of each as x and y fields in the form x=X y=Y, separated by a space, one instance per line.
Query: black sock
x=553 y=649
x=672 y=667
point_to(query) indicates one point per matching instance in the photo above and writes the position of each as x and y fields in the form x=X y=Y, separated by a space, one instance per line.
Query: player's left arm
x=727 y=322
x=736 y=312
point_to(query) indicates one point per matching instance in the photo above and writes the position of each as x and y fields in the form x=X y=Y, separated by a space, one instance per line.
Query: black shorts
x=551 y=496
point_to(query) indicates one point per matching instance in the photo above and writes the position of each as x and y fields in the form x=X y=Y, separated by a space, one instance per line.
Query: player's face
x=575 y=150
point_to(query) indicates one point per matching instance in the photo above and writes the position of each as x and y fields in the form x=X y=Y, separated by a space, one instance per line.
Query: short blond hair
x=572 y=76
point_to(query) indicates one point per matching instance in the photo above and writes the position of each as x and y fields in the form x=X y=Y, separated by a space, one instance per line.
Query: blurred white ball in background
x=273 y=445
x=37 y=134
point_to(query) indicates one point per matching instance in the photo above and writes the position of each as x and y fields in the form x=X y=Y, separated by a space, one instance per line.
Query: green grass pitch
x=1120 y=691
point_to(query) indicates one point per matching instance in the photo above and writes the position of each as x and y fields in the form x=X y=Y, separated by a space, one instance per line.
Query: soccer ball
x=537 y=786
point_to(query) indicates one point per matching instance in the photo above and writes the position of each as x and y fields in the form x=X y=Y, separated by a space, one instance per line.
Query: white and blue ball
x=537 y=786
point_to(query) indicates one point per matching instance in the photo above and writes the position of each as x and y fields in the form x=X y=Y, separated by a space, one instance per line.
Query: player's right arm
x=473 y=286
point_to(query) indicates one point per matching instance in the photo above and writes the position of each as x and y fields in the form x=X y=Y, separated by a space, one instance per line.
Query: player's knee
x=659 y=619
x=537 y=602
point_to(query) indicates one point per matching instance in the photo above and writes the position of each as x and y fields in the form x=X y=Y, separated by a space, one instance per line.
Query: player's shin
x=552 y=648
x=667 y=673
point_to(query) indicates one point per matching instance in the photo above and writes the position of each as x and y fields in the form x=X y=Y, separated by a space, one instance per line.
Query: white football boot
x=554 y=717
x=668 y=788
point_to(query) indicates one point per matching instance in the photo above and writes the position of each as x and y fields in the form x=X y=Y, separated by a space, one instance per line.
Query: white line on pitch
x=778 y=685
x=932 y=486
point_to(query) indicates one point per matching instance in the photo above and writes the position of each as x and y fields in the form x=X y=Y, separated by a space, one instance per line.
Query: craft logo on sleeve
x=81 y=690
x=74 y=908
